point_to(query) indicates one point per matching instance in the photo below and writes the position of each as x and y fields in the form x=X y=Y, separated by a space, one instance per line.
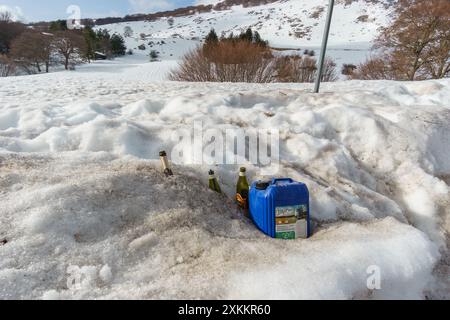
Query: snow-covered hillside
x=294 y=24
x=284 y=23
x=82 y=196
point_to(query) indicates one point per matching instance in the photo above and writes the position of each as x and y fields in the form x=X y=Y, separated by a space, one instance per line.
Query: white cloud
x=16 y=12
x=145 y=6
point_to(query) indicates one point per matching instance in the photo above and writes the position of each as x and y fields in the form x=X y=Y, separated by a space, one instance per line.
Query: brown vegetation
x=416 y=46
x=348 y=69
x=9 y=30
x=303 y=69
x=31 y=50
x=378 y=68
x=7 y=66
x=296 y=69
x=247 y=58
x=239 y=61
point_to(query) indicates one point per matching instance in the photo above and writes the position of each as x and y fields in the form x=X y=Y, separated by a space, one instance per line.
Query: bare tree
x=9 y=30
x=70 y=46
x=437 y=64
x=418 y=41
x=5 y=16
x=31 y=50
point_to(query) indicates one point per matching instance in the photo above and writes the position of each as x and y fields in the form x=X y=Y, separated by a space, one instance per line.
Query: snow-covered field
x=82 y=196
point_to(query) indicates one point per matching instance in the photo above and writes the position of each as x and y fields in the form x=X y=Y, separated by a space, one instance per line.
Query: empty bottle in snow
x=213 y=183
x=165 y=163
x=242 y=189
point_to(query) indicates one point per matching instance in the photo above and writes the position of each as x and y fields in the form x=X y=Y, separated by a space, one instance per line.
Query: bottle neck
x=242 y=174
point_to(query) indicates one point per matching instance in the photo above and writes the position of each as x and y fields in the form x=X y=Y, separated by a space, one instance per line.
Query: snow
x=125 y=231
x=88 y=214
x=278 y=21
x=335 y=265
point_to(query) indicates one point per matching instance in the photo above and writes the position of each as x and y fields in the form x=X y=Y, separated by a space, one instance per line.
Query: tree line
x=32 y=50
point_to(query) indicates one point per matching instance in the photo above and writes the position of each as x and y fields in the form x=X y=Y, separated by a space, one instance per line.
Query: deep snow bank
x=366 y=149
x=125 y=231
x=374 y=155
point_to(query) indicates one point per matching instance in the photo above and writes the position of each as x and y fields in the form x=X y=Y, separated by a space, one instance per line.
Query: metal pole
x=323 y=51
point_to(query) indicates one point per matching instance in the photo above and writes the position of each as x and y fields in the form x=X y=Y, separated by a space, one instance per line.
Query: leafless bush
x=8 y=32
x=375 y=69
x=247 y=58
x=194 y=67
x=303 y=69
x=7 y=66
x=296 y=69
x=329 y=70
x=227 y=61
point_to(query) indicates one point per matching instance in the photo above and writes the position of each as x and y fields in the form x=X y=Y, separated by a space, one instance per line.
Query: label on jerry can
x=285 y=227
x=291 y=222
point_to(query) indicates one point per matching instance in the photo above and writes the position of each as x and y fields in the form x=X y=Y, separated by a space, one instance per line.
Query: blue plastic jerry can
x=280 y=208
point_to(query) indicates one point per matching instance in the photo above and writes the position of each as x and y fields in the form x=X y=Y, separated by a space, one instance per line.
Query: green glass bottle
x=242 y=189
x=213 y=183
x=165 y=164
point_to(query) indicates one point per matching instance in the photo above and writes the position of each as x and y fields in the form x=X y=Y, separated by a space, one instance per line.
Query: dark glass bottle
x=213 y=183
x=242 y=189
x=165 y=163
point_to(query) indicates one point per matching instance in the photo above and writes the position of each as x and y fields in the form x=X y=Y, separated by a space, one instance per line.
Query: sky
x=44 y=10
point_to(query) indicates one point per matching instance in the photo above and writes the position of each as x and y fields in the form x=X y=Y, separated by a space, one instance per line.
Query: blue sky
x=37 y=10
